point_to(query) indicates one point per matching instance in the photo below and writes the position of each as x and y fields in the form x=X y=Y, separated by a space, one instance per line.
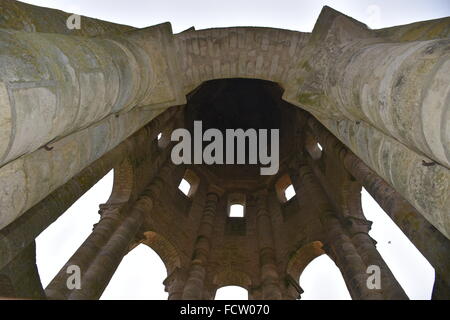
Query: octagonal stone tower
x=75 y=104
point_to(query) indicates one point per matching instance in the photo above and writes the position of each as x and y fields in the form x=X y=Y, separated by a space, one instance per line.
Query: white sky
x=141 y=273
x=287 y=14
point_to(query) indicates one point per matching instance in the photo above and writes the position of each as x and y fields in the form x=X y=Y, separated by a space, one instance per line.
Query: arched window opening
x=289 y=192
x=62 y=238
x=231 y=293
x=140 y=276
x=163 y=138
x=411 y=269
x=319 y=146
x=185 y=187
x=236 y=205
x=284 y=189
x=322 y=280
x=189 y=183
x=313 y=147
x=236 y=211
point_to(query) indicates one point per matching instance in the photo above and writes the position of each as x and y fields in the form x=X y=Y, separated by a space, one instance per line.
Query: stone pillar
x=89 y=94
x=105 y=263
x=340 y=248
x=85 y=81
x=399 y=88
x=209 y=292
x=366 y=246
x=101 y=253
x=20 y=278
x=337 y=244
x=196 y=279
x=255 y=293
x=441 y=289
x=427 y=239
x=307 y=188
x=24 y=230
x=267 y=259
x=83 y=257
x=175 y=283
x=388 y=102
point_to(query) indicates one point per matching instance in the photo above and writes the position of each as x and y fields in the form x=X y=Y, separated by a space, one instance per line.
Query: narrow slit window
x=289 y=192
x=189 y=183
x=319 y=146
x=185 y=187
x=236 y=211
x=159 y=136
x=313 y=146
x=284 y=188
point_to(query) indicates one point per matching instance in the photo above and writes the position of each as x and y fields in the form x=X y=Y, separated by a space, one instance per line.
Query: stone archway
x=302 y=257
x=165 y=250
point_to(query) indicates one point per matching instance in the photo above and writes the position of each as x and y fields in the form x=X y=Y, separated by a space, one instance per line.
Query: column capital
x=355 y=225
x=174 y=276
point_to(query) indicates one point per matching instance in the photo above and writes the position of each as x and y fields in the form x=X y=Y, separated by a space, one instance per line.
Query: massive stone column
x=348 y=204
x=195 y=283
x=20 y=278
x=339 y=246
x=402 y=89
x=428 y=240
x=175 y=283
x=359 y=232
x=416 y=178
x=308 y=188
x=102 y=267
x=385 y=97
x=86 y=254
x=337 y=243
x=75 y=82
x=22 y=232
x=270 y=280
x=101 y=253
x=87 y=96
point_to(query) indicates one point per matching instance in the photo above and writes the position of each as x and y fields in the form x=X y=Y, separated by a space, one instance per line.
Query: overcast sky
x=288 y=14
x=141 y=273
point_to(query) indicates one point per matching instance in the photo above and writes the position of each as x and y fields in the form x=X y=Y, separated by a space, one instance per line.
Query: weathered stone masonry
x=75 y=104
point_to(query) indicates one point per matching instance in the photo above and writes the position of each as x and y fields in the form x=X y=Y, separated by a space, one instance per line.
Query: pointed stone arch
x=302 y=257
x=123 y=182
x=168 y=253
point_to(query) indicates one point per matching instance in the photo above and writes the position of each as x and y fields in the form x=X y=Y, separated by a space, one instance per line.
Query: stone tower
x=75 y=104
